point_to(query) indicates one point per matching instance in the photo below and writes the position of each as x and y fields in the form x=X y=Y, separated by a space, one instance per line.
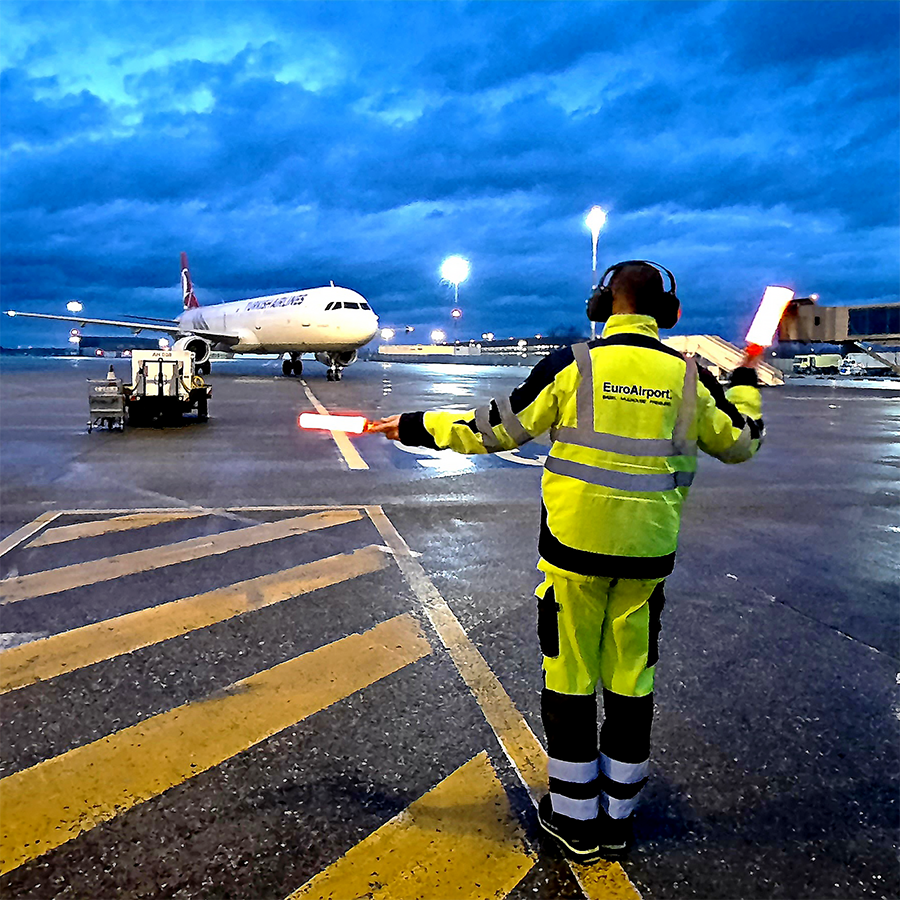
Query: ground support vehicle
x=164 y=387
x=817 y=363
x=106 y=403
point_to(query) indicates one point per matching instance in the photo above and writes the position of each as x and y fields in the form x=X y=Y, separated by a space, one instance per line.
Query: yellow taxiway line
x=64 y=533
x=52 y=581
x=344 y=444
x=521 y=746
x=56 y=800
x=71 y=650
x=459 y=840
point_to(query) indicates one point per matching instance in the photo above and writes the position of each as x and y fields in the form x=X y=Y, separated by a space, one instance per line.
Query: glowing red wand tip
x=351 y=424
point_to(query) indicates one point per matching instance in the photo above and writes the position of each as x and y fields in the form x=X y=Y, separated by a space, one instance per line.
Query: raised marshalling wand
x=765 y=322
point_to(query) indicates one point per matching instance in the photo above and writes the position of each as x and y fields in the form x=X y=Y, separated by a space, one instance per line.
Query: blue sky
x=282 y=145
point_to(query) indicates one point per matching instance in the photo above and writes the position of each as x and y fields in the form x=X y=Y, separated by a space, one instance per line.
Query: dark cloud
x=288 y=144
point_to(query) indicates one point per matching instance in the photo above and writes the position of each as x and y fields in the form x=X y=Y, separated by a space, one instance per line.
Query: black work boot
x=614 y=836
x=579 y=839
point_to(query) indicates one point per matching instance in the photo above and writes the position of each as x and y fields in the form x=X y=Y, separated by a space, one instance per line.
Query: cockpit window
x=348 y=304
x=365 y=306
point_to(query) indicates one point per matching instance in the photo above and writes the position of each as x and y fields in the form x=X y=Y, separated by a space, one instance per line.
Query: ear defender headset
x=665 y=307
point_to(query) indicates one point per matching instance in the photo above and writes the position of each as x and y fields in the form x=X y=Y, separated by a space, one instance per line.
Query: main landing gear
x=292 y=366
x=335 y=372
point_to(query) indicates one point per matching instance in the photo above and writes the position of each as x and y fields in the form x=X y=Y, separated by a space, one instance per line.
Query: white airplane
x=331 y=322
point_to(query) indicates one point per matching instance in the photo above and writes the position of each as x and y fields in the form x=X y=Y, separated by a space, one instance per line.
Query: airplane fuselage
x=330 y=319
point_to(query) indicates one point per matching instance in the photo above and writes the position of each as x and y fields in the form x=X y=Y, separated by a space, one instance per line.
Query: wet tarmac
x=241 y=681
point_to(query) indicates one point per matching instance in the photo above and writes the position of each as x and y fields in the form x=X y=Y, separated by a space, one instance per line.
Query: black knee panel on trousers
x=625 y=734
x=570 y=724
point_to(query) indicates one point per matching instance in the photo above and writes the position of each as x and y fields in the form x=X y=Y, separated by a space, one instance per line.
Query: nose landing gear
x=335 y=372
x=292 y=366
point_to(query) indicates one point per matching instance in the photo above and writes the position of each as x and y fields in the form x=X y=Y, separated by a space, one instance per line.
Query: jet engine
x=197 y=345
x=337 y=358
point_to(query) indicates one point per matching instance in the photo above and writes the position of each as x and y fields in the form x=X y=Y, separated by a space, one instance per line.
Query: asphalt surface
x=776 y=733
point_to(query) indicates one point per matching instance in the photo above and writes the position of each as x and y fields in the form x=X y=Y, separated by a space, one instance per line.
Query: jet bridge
x=721 y=353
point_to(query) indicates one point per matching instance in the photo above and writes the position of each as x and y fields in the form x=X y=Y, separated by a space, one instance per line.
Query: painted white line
x=518 y=742
x=344 y=444
x=16 y=538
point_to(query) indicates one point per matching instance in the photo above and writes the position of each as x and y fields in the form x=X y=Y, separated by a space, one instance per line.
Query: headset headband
x=636 y=262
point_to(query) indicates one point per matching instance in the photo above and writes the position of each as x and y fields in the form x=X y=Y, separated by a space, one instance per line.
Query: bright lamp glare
x=456 y=313
x=387 y=333
x=163 y=343
x=455 y=269
x=74 y=306
x=437 y=335
x=595 y=219
x=771 y=309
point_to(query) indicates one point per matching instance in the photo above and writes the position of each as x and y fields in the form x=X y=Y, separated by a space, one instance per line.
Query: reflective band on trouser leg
x=622 y=772
x=570 y=723
x=619 y=809
x=624 y=757
x=622 y=784
x=582 y=810
x=576 y=772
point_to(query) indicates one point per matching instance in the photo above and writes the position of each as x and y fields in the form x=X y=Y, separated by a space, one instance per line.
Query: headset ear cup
x=669 y=311
x=599 y=305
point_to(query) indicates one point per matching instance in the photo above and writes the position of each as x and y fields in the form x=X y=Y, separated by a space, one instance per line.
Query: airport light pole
x=594 y=220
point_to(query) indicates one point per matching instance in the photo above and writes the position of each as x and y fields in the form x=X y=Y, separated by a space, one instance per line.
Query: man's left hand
x=389 y=427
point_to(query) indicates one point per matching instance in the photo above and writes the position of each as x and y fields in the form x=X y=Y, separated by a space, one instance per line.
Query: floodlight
x=387 y=333
x=74 y=306
x=437 y=336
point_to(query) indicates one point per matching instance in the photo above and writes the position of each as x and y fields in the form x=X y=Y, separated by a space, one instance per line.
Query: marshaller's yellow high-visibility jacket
x=626 y=415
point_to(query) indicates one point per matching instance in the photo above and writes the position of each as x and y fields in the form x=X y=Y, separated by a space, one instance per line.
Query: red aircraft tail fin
x=187 y=288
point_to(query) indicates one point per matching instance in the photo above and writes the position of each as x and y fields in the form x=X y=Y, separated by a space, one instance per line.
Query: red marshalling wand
x=350 y=424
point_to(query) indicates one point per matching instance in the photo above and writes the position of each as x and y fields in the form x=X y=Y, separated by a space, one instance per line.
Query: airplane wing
x=166 y=326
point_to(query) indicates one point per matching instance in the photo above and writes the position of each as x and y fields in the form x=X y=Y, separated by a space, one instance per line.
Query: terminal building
x=807 y=322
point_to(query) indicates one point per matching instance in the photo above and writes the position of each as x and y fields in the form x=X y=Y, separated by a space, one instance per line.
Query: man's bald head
x=636 y=288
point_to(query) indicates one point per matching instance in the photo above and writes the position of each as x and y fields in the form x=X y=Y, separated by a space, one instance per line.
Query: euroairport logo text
x=636 y=390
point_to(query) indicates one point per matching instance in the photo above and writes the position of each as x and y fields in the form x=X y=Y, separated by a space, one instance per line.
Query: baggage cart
x=106 y=404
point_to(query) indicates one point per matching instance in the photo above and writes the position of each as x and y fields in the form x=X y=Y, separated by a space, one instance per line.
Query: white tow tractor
x=165 y=385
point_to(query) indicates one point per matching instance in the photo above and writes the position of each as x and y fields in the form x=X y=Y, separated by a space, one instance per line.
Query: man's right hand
x=389 y=427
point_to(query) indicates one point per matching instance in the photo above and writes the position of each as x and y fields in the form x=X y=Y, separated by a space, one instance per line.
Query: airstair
x=720 y=353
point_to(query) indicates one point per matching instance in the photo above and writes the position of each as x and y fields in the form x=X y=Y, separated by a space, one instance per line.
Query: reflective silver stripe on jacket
x=740 y=450
x=619 y=481
x=584 y=435
x=613 y=443
x=624 y=773
x=573 y=772
x=510 y=421
x=483 y=424
x=681 y=445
